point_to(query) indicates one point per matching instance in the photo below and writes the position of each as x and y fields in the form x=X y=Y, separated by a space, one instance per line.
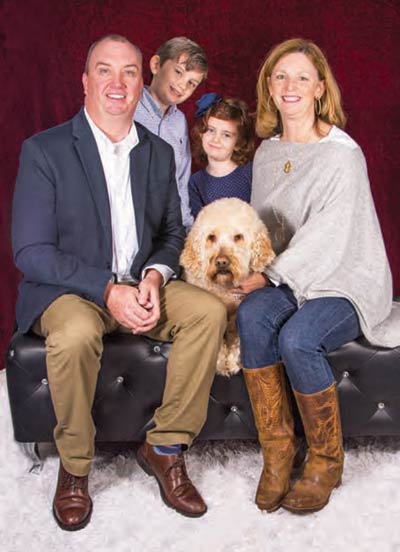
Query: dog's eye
x=238 y=237
x=212 y=238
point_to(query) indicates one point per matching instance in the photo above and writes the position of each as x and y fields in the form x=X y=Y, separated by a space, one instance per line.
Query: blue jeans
x=272 y=329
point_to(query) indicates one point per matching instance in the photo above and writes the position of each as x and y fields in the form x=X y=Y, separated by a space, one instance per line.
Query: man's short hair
x=175 y=47
x=115 y=38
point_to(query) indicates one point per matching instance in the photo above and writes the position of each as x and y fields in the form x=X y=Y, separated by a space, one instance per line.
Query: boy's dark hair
x=227 y=109
x=175 y=47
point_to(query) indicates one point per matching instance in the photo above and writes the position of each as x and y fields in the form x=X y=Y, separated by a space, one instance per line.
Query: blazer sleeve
x=196 y=201
x=35 y=232
x=168 y=243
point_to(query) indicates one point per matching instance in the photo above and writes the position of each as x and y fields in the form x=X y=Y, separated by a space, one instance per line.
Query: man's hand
x=136 y=308
x=149 y=295
x=254 y=281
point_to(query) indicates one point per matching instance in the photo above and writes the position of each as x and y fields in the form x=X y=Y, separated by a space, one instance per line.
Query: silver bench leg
x=31 y=450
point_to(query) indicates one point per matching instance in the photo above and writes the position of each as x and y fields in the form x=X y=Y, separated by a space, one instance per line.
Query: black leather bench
x=131 y=382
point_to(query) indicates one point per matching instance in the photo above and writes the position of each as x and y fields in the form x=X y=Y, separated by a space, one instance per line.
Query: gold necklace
x=287 y=167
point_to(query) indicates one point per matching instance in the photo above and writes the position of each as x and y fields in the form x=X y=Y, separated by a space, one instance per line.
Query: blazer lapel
x=139 y=167
x=88 y=153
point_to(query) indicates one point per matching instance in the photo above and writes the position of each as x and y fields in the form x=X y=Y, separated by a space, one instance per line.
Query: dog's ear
x=261 y=251
x=191 y=256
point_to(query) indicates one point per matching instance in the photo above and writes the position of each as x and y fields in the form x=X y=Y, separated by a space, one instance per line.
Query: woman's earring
x=318 y=106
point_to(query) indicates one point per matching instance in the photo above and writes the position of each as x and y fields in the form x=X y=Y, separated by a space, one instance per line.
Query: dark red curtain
x=43 y=44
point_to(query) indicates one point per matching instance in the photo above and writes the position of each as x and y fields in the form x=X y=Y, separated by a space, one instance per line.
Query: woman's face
x=294 y=85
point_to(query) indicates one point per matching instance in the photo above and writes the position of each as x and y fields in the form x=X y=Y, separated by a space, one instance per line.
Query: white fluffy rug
x=129 y=516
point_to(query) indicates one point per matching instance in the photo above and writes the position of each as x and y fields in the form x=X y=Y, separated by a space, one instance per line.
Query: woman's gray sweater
x=324 y=228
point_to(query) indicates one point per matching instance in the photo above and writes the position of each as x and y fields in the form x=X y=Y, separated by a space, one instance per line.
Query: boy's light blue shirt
x=172 y=127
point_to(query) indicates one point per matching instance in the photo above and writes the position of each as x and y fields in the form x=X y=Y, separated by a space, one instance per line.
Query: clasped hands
x=136 y=308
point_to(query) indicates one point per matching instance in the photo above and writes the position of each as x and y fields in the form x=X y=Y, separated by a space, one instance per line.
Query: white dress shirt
x=116 y=165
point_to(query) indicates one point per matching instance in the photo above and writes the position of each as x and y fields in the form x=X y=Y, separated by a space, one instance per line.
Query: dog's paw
x=228 y=369
x=233 y=367
x=228 y=362
x=223 y=372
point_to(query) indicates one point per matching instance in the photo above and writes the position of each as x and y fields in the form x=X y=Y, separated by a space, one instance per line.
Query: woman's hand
x=254 y=281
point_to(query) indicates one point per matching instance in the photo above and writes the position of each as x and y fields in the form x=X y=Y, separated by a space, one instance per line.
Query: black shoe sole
x=147 y=469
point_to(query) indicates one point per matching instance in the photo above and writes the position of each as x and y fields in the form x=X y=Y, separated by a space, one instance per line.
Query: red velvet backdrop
x=43 y=45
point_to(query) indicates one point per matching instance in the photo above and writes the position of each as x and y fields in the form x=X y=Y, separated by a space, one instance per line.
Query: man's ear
x=155 y=65
x=84 y=82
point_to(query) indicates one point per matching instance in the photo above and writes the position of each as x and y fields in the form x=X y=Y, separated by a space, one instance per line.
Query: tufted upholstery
x=369 y=388
x=130 y=387
x=131 y=383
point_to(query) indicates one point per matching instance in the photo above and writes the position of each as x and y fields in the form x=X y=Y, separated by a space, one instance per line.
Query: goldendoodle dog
x=227 y=242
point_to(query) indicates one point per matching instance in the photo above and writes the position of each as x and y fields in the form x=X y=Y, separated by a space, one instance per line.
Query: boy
x=178 y=67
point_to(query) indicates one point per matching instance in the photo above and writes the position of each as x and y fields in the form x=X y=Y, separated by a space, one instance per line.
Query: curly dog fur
x=227 y=243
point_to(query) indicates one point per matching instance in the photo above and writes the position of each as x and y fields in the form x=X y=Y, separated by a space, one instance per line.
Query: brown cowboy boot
x=273 y=417
x=72 y=505
x=176 y=489
x=324 y=466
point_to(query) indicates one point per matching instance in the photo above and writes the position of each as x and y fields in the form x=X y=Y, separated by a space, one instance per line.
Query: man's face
x=114 y=82
x=172 y=83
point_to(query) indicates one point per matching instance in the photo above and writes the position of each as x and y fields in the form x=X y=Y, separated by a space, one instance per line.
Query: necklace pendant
x=288 y=167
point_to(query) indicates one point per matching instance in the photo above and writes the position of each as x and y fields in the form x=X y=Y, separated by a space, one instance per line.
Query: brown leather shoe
x=273 y=416
x=324 y=465
x=72 y=505
x=177 y=491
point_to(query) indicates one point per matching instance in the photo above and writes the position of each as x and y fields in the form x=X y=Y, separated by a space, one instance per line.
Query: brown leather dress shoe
x=177 y=490
x=72 y=505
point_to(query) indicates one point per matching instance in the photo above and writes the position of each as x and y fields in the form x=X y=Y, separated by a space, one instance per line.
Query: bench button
x=156 y=348
x=120 y=379
x=381 y=405
x=45 y=382
x=345 y=374
x=234 y=408
x=11 y=353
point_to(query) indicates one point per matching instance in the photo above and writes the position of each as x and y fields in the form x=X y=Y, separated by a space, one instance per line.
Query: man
x=178 y=67
x=97 y=233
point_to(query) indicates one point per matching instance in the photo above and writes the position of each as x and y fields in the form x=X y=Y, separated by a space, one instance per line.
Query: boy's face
x=172 y=83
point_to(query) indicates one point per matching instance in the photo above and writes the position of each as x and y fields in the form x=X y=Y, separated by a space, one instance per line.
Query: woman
x=330 y=280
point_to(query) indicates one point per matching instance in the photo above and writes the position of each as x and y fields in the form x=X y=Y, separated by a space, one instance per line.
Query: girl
x=223 y=141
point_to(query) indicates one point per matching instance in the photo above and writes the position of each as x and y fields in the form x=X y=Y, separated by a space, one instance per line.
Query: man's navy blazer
x=61 y=222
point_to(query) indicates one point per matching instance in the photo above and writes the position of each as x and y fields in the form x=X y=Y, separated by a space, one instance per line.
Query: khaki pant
x=73 y=327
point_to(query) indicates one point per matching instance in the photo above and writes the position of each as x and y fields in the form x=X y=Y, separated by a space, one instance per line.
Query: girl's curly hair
x=226 y=109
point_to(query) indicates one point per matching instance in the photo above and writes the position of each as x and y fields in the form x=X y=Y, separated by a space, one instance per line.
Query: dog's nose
x=222 y=262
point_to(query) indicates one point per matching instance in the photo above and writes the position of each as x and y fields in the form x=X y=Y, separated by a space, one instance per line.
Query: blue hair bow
x=206 y=101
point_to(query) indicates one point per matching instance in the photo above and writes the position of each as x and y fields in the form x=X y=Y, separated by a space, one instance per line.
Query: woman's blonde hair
x=268 y=121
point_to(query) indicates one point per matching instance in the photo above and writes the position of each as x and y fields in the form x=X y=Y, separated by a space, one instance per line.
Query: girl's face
x=294 y=85
x=220 y=139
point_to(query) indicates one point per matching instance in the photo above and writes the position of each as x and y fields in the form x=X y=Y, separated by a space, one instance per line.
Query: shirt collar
x=126 y=145
x=150 y=104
